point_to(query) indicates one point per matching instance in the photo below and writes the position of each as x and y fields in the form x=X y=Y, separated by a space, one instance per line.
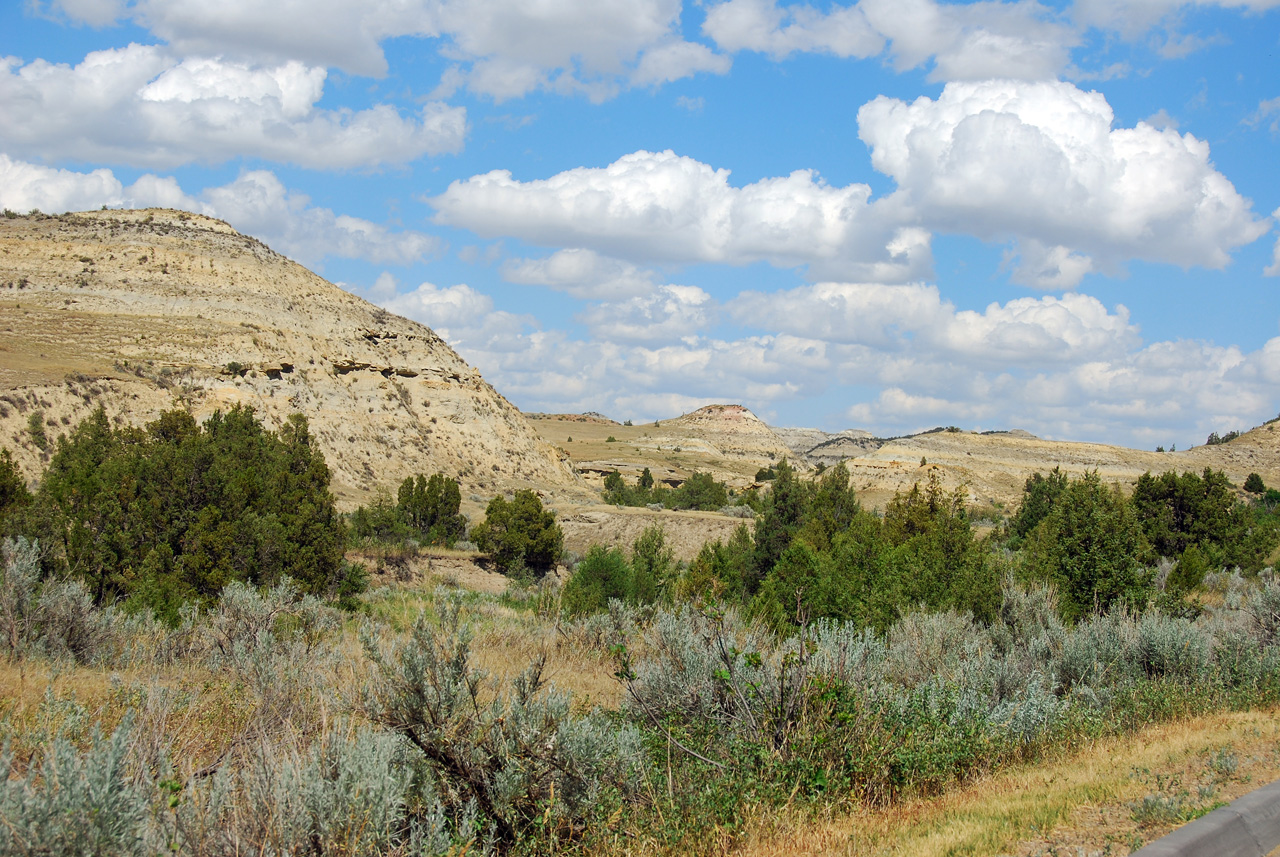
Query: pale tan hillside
x=994 y=467
x=727 y=441
x=139 y=311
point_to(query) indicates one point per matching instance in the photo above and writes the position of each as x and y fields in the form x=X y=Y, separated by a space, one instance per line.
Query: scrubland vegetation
x=826 y=658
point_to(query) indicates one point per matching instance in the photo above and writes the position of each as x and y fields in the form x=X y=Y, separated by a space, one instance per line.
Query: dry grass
x=197 y=715
x=507 y=640
x=1078 y=803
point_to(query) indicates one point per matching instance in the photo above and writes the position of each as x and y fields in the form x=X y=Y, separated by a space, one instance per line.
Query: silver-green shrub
x=1173 y=647
x=75 y=803
x=19 y=576
x=346 y=794
x=517 y=753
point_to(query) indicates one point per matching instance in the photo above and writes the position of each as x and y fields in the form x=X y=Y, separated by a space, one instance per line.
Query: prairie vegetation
x=827 y=661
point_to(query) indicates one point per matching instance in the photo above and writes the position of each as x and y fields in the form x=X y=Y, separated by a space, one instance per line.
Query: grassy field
x=263 y=694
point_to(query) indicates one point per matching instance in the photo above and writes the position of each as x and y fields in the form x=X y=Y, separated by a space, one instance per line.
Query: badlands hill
x=142 y=311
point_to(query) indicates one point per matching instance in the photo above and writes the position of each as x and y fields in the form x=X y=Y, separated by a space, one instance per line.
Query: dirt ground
x=686 y=532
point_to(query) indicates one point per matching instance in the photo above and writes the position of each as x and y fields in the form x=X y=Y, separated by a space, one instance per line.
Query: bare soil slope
x=139 y=311
x=727 y=441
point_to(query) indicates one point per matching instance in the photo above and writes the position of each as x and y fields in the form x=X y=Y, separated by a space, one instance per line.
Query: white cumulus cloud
x=500 y=48
x=1041 y=162
x=1273 y=270
x=142 y=105
x=669 y=313
x=967 y=41
x=660 y=207
x=915 y=318
x=464 y=317
x=1133 y=18
x=763 y=26
x=258 y=203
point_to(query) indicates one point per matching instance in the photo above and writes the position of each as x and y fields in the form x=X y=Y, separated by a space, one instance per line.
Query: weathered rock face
x=141 y=311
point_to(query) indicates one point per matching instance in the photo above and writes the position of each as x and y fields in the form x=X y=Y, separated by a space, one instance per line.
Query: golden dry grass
x=1076 y=801
x=506 y=640
x=198 y=719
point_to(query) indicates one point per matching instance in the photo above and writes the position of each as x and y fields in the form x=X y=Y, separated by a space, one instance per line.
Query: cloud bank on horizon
x=877 y=214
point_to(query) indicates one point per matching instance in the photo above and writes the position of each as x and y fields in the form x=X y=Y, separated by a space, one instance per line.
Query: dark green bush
x=1088 y=546
x=520 y=533
x=177 y=510
x=603 y=573
x=13 y=488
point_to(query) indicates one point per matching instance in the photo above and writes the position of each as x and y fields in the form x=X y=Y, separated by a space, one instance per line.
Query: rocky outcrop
x=139 y=311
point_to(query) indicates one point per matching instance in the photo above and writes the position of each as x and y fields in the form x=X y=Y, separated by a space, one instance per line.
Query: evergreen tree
x=1039 y=495
x=601 y=575
x=784 y=513
x=520 y=532
x=13 y=488
x=1088 y=547
x=178 y=510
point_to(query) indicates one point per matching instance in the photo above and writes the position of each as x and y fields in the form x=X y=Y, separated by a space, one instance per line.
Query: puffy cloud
x=1060 y=367
x=667 y=314
x=974 y=41
x=256 y=203
x=340 y=33
x=675 y=60
x=139 y=105
x=964 y=41
x=660 y=207
x=1141 y=396
x=1273 y=270
x=1133 y=18
x=870 y=314
x=461 y=315
x=1267 y=109
x=259 y=204
x=914 y=318
x=95 y=13
x=1041 y=162
x=1042 y=267
x=581 y=273
x=25 y=186
x=502 y=48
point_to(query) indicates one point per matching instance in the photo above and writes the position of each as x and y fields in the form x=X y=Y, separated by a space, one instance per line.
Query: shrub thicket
x=700 y=491
x=177 y=510
x=605 y=574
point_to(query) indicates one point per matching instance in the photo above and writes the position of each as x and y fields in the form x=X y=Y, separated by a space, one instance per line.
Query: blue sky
x=889 y=214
